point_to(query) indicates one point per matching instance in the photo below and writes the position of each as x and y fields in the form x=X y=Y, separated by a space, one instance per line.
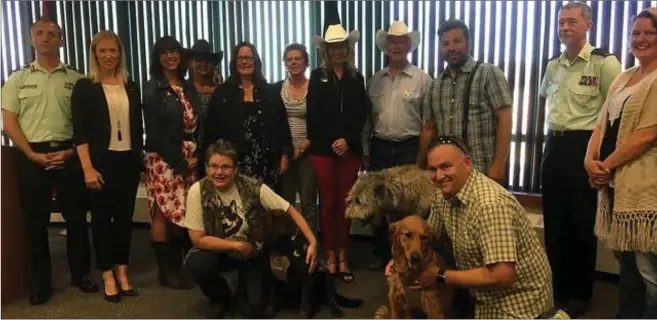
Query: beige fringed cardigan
x=631 y=225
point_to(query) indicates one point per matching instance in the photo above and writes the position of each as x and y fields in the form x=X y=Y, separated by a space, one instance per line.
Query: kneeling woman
x=217 y=207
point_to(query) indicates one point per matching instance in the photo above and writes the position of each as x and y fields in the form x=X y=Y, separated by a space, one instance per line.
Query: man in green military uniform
x=575 y=85
x=36 y=113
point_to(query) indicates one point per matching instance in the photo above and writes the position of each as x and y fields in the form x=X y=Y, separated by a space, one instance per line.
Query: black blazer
x=91 y=121
x=327 y=121
x=225 y=119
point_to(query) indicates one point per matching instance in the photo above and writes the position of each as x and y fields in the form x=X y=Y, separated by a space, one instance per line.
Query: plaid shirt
x=487 y=225
x=489 y=92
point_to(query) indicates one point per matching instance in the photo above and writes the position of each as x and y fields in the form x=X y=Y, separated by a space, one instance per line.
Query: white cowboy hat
x=334 y=34
x=397 y=28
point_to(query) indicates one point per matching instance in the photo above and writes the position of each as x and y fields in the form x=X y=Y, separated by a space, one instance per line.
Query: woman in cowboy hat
x=204 y=76
x=337 y=106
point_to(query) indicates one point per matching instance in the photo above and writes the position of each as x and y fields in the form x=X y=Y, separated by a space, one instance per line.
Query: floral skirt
x=167 y=189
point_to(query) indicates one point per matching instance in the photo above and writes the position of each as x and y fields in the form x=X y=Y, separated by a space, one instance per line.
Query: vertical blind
x=270 y=26
x=517 y=36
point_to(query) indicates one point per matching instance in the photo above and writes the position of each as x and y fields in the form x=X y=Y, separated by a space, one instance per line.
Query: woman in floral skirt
x=170 y=114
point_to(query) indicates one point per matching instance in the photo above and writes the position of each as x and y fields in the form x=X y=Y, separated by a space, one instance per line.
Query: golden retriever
x=412 y=252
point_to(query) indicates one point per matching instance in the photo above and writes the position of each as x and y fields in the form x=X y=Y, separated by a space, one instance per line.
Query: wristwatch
x=441 y=277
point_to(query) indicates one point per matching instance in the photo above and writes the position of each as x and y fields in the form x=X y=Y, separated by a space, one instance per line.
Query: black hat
x=202 y=50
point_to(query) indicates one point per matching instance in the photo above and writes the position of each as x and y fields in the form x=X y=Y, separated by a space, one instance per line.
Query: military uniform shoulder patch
x=25 y=67
x=601 y=52
x=556 y=57
x=69 y=67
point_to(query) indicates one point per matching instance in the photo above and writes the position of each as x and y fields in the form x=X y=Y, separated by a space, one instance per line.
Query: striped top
x=296 y=114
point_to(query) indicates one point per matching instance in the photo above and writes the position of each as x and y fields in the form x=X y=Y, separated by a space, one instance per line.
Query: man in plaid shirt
x=498 y=255
x=470 y=100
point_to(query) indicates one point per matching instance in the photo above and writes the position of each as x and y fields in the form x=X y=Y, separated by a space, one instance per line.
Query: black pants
x=205 y=267
x=36 y=187
x=112 y=209
x=569 y=207
x=386 y=154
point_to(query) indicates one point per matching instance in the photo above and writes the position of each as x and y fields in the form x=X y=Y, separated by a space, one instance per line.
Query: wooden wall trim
x=529 y=199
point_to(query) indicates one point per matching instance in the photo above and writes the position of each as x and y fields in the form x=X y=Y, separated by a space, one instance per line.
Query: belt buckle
x=53 y=144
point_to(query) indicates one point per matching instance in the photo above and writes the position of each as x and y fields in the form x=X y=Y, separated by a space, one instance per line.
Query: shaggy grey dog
x=397 y=192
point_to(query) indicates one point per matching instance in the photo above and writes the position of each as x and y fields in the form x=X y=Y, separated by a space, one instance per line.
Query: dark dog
x=287 y=248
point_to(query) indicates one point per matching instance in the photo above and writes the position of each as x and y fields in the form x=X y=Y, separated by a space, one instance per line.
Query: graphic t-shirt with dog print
x=234 y=222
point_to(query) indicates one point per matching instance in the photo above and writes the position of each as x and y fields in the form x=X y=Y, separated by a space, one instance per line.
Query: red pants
x=335 y=177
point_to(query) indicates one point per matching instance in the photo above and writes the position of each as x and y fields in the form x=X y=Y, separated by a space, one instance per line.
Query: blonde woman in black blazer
x=108 y=134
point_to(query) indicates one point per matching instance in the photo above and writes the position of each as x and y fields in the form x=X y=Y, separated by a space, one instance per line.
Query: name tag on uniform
x=28 y=86
x=69 y=85
x=589 y=81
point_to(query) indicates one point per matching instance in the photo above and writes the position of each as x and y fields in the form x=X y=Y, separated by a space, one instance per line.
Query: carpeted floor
x=158 y=302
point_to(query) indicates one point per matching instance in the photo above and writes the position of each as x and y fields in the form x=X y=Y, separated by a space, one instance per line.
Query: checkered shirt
x=489 y=92
x=487 y=225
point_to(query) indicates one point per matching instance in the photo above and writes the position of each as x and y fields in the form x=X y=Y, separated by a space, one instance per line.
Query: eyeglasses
x=292 y=59
x=170 y=51
x=453 y=140
x=225 y=167
x=244 y=59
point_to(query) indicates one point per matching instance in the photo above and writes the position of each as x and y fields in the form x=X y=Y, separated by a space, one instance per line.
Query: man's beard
x=463 y=58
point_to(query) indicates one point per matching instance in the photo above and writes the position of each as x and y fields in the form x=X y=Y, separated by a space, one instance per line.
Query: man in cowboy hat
x=392 y=135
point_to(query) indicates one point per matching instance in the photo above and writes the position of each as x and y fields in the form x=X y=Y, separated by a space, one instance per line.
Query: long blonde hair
x=94 y=68
x=349 y=63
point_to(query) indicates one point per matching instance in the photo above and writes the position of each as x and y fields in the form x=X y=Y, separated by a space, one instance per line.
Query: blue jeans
x=637 y=285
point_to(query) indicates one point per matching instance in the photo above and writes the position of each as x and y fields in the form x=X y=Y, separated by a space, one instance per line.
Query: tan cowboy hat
x=397 y=28
x=334 y=34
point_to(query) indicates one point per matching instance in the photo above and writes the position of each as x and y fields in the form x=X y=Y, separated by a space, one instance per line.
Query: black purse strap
x=466 y=102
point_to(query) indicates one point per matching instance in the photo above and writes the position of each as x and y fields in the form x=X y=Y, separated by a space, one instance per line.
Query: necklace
x=116 y=107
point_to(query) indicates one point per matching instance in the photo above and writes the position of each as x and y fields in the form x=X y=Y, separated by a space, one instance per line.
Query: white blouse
x=119 y=112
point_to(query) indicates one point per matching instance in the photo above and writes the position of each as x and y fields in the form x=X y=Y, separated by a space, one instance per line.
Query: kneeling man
x=498 y=255
x=219 y=208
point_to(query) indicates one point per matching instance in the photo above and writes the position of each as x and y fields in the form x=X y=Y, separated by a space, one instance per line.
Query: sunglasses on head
x=453 y=140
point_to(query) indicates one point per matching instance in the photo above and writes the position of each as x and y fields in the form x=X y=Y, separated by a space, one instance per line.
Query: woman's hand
x=305 y=145
x=93 y=179
x=597 y=183
x=311 y=256
x=191 y=163
x=285 y=163
x=340 y=147
x=390 y=268
x=297 y=153
x=595 y=169
x=246 y=249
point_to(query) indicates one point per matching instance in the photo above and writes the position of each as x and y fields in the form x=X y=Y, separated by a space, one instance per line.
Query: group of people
x=218 y=154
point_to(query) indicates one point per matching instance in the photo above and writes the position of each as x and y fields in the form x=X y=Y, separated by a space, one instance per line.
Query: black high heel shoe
x=132 y=292
x=115 y=298
x=129 y=293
